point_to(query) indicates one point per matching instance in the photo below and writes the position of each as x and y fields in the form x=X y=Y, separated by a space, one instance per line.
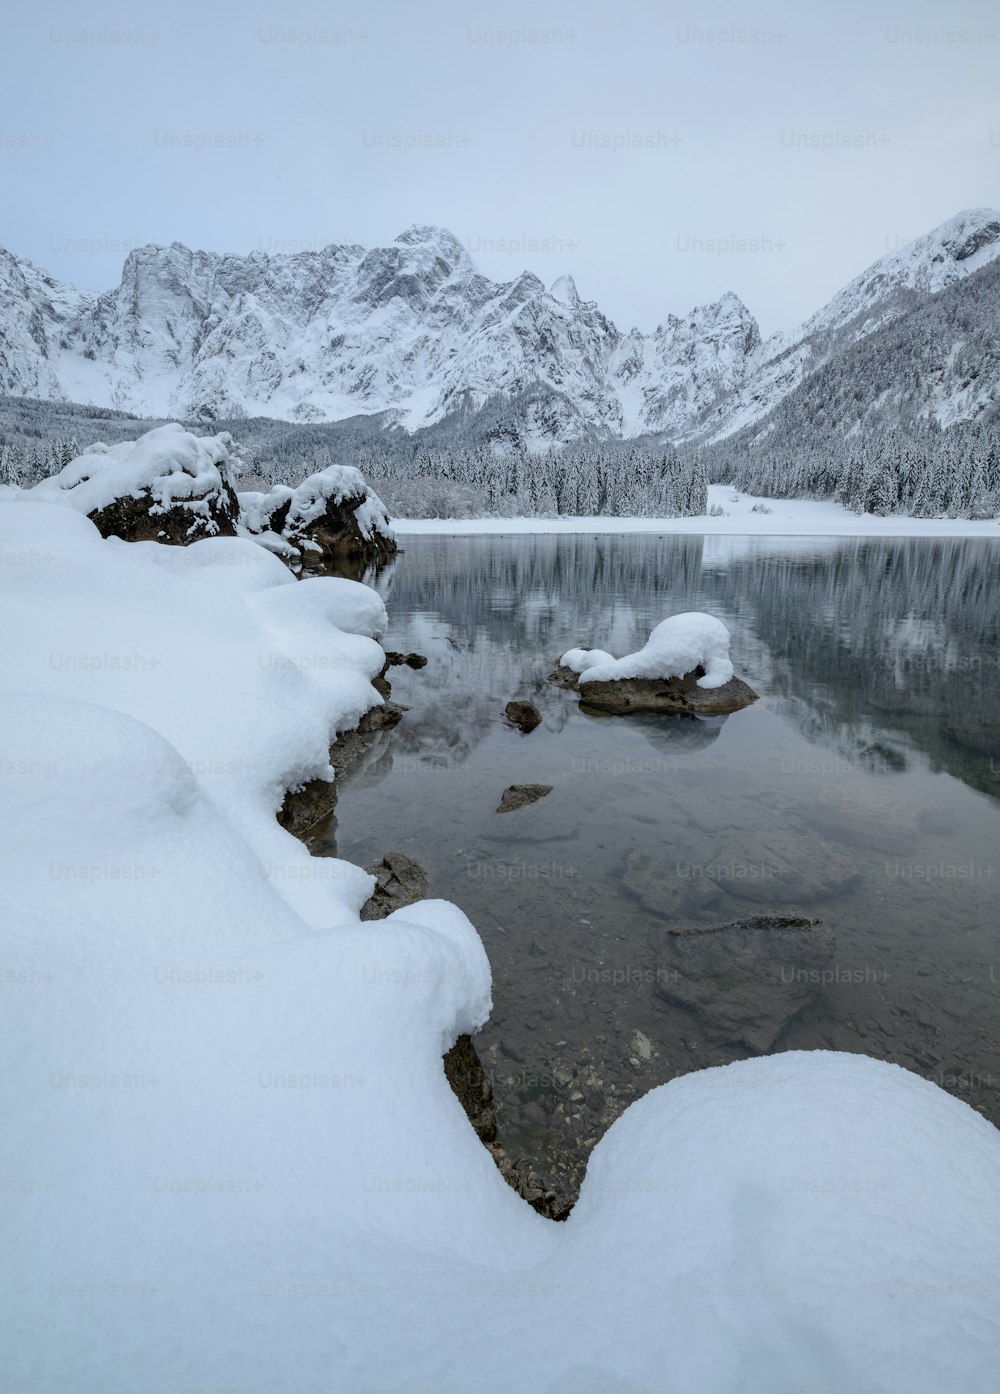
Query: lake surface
x=862 y=789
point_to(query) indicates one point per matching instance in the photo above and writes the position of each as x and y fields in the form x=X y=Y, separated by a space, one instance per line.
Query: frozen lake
x=863 y=789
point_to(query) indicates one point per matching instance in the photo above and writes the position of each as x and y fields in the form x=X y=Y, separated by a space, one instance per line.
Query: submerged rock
x=524 y=715
x=780 y=866
x=744 y=981
x=520 y=795
x=866 y=818
x=659 y=883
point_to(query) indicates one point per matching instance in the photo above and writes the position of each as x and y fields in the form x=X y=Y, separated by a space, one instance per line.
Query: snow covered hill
x=413 y=331
x=231 y=1159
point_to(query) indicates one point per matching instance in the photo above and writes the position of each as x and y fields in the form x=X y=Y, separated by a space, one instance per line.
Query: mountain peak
x=436 y=240
x=411 y=329
x=962 y=236
x=564 y=290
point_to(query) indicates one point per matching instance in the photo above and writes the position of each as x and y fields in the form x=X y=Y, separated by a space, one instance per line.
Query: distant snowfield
x=787 y=518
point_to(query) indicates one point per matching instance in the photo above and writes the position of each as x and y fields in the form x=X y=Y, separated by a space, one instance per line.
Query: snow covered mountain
x=414 y=331
x=889 y=289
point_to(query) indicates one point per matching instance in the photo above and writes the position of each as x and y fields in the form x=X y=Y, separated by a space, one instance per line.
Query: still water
x=863 y=789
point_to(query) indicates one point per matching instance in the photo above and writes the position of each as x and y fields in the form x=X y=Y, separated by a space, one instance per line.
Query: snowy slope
x=413 y=329
x=230 y=1159
x=889 y=288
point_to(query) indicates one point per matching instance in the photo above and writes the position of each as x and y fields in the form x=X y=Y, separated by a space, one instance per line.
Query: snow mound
x=230 y=1158
x=676 y=646
x=808 y=1221
x=246 y=672
x=174 y=467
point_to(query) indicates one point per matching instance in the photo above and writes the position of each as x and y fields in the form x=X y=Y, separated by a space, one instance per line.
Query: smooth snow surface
x=779 y=517
x=229 y=1157
x=677 y=645
x=172 y=464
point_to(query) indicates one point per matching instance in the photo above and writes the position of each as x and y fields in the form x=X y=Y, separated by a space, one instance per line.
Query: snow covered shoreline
x=785 y=518
x=231 y=1159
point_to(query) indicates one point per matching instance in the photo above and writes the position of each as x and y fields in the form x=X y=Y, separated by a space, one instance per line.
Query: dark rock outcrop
x=671 y=696
x=168 y=485
x=399 y=881
x=333 y=522
x=408 y=660
x=315 y=800
x=141 y=520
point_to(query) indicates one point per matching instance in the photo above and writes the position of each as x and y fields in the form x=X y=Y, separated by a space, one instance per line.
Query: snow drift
x=230 y=1158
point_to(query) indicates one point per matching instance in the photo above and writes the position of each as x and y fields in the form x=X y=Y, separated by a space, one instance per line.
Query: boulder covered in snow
x=330 y=519
x=684 y=668
x=168 y=486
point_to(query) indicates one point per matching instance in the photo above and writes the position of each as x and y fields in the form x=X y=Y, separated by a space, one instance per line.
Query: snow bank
x=676 y=646
x=171 y=465
x=246 y=672
x=230 y=1159
x=782 y=518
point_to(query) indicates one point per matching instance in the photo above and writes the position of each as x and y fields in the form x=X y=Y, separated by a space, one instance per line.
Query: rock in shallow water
x=863 y=817
x=657 y=880
x=671 y=696
x=744 y=981
x=779 y=867
x=524 y=715
x=520 y=795
x=399 y=881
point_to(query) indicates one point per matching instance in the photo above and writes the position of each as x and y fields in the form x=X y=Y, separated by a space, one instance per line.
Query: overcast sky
x=632 y=145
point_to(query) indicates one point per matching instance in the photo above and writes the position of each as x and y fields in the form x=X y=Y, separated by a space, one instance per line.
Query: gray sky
x=626 y=145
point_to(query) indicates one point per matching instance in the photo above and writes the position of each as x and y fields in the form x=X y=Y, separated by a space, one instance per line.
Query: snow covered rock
x=167 y=486
x=331 y=518
x=683 y=668
x=676 y=646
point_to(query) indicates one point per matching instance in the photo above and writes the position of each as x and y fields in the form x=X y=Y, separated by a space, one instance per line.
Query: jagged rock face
x=670 y=380
x=414 y=330
x=35 y=311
